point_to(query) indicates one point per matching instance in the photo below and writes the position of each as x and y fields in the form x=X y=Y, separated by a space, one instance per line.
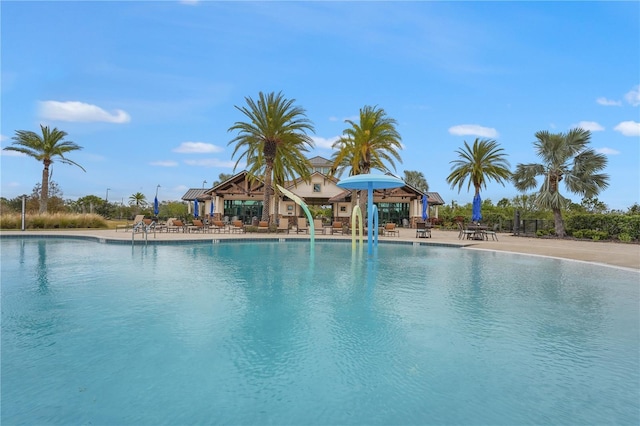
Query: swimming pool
x=265 y=333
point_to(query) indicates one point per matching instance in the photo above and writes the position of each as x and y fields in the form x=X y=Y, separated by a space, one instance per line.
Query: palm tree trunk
x=559 y=223
x=44 y=191
x=266 y=202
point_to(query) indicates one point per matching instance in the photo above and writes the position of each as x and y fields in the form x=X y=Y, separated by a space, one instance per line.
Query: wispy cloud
x=628 y=128
x=608 y=102
x=12 y=153
x=210 y=162
x=324 y=143
x=633 y=96
x=197 y=148
x=80 y=112
x=3 y=138
x=592 y=126
x=473 y=130
x=189 y=2
x=607 y=151
x=162 y=163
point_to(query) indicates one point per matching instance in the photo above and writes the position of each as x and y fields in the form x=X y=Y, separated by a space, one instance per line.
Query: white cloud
x=164 y=163
x=210 y=162
x=607 y=151
x=12 y=153
x=324 y=143
x=197 y=148
x=628 y=128
x=608 y=102
x=189 y=2
x=474 y=130
x=592 y=126
x=633 y=97
x=80 y=112
x=3 y=138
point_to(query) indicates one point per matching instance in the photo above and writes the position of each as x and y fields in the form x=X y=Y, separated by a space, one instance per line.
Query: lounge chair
x=129 y=226
x=283 y=225
x=197 y=226
x=218 y=226
x=237 y=227
x=176 y=226
x=263 y=226
x=337 y=228
x=423 y=230
x=390 y=229
x=302 y=225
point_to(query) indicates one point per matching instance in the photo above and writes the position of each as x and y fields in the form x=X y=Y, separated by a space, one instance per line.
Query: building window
x=317 y=187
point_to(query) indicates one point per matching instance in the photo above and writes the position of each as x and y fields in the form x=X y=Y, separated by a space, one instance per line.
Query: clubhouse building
x=238 y=197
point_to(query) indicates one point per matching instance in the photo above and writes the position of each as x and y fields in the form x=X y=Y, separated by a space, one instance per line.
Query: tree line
x=274 y=138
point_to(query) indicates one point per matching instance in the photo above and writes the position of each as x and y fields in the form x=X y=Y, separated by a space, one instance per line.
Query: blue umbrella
x=195 y=208
x=425 y=207
x=156 y=207
x=475 y=212
x=211 y=211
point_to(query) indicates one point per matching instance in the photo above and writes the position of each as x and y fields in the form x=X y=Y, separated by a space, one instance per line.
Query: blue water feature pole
x=370 y=182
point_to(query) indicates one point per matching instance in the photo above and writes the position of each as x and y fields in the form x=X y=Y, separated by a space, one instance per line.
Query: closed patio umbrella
x=195 y=208
x=156 y=207
x=475 y=211
x=212 y=208
x=425 y=207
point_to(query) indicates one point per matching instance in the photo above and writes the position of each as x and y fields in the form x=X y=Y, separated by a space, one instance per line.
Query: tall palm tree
x=46 y=148
x=273 y=141
x=477 y=164
x=369 y=144
x=564 y=156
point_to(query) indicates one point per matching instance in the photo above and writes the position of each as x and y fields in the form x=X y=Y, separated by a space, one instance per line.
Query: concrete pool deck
x=623 y=255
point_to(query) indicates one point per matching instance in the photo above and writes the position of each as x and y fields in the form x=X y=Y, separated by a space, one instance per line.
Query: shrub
x=53 y=221
x=624 y=237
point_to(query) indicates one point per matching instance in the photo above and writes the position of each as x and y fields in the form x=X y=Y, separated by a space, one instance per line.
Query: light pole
x=106 y=199
x=24 y=210
x=204 y=182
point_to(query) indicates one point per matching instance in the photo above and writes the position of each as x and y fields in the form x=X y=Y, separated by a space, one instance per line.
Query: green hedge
x=604 y=226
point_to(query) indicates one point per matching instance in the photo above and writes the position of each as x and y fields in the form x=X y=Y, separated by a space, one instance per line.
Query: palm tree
x=46 y=148
x=138 y=199
x=482 y=162
x=369 y=144
x=273 y=142
x=416 y=179
x=564 y=157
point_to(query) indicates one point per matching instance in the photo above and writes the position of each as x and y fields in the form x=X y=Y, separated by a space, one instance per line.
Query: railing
x=145 y=228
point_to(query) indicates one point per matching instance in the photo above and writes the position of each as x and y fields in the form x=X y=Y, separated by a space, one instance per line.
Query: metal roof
x=194 y=193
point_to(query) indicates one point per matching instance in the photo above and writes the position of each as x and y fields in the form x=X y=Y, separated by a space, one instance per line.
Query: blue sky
x=148 y=89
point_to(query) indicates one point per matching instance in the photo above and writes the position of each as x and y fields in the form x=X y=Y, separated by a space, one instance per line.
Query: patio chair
x=217 y=226
x=302 y=225
x=283 y=225
x=337 y=227
x=317 y=226
x=263 y=226
x=464 y=234
x=492 y=232
x=423 y=230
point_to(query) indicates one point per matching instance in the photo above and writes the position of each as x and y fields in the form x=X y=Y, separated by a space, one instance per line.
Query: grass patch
x=54 y=221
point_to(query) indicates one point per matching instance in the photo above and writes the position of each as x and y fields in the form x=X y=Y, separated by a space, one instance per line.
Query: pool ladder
x=145 y=228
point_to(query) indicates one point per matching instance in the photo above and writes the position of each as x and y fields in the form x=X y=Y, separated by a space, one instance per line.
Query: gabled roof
x=238 y=184
x=319 y=161
x=435 y=199
x=293 y=183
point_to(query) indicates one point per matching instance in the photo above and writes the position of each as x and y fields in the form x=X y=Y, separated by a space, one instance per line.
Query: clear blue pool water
x=264 y=333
